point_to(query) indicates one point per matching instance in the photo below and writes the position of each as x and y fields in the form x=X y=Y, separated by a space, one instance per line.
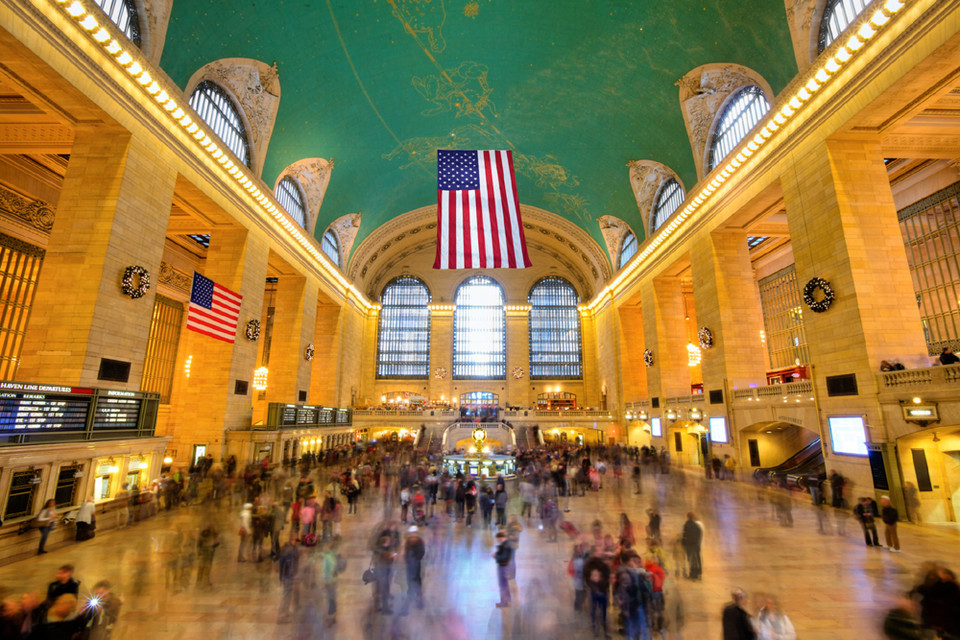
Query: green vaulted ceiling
x=575 y=87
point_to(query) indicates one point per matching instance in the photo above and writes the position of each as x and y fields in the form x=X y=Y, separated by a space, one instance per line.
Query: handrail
x=943 y=374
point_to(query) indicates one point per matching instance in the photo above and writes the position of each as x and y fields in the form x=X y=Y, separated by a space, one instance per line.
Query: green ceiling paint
x=575 y=87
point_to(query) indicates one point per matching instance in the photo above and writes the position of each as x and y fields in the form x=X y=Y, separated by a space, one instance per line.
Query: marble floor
x=830 y=584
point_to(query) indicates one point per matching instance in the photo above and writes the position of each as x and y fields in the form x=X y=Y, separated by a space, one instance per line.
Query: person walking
x=890 y=517
x=289 y=567
x=866 y=513
x=86 y=520
x=46 y=521
x=332 y=565
x=207 y=544
x=503 y=557
x=691 y=540
x=413 y=552
x=246 y=533
x=596 y=571
x=773 y=624
x=836 y=489
x=383 y=557
x=500 y=500
x=737 y=622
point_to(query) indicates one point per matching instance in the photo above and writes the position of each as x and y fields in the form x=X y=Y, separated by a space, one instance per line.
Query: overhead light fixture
x=260 y=379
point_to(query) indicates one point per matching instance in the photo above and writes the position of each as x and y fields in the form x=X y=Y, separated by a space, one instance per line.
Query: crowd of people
x=291 y=520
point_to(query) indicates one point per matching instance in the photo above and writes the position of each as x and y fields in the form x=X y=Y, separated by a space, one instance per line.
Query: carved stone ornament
x=703 y=92
x=648 y=357
x=309 y=352
x=36 y=213
x=613 y=230
x=800 y=14
x=517 y=373
x=175 y=278
x=346 y=228
x=646 y=176
x=313 y=174
x=439 y=373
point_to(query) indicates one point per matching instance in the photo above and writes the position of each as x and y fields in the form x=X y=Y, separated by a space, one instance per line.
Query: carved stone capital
x=36 y=213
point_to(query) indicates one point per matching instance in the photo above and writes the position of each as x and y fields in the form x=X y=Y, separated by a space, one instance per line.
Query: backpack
x=341 y=565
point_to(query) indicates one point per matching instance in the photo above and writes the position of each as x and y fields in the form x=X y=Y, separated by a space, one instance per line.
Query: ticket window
x=103 y=482
x=199 y=452
x=132 y=481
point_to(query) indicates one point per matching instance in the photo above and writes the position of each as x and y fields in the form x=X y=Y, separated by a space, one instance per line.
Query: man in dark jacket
x=503 y=555
x=691 y=541
x=289 y=566
x=63 y=584
x=413 y=552
x=890 y=517
x=866 y=512
x=737 y=623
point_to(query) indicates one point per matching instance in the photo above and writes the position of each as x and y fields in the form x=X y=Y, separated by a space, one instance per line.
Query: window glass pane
x=670 y=198
x=741 y=114
x=290 y=198
x=216 y=108
x=123 y=13
x=479 y=330
x=331 y=247
x=783 y=318
x=627 y=249
x=837 y=16
x=403 y=349
x=554 y=330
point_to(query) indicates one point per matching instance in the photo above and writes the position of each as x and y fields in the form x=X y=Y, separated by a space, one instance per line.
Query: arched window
x=628 y=247
x=403 y=348
x=837 y=16
x=331 y=247
x=123 y=13
x=670 y=198
x=291 y=199
x=554 y=330
x=479 y=330
x=215 y=107
x=745 y=109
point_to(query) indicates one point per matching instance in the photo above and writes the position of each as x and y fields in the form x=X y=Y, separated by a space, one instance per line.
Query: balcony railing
x=774 y=391
x=928 y=376
x=405 y=413
x=558 y=413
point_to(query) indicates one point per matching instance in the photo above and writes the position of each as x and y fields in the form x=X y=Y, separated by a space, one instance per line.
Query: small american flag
x=478 y=212
x=214 y=310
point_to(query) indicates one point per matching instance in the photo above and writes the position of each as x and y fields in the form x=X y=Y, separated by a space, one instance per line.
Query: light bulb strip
x=785 y=111
x=183 y=116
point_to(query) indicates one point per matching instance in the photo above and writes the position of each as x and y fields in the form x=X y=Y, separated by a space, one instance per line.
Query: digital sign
x=718 y=430
x=42 y=412
x=116 y=413
x=848 y=435
x=656 y=430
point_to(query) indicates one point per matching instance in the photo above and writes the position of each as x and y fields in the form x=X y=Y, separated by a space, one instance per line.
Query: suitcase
x=567 y=527
x=310 y=540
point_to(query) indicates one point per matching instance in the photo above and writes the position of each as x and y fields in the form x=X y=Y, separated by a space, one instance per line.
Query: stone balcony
x=941 y=383
x=800 y=392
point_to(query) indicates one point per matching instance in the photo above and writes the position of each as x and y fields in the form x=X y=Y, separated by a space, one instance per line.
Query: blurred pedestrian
x=207 y=544
x=737 y=622
x=503 y=557
x=596 y=571
x=413 y=552
x=772 y=623
x=289 y=568
x=691 y=540
x=866 y=513
x=890 y=517
x=46 y=520
x=101 y=612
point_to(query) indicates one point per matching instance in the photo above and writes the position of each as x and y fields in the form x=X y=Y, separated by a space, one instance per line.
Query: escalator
x=797 y=470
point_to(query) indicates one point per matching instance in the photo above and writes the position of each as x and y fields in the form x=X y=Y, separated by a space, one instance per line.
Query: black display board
x=43 y=412
x=878 y=470
x=117 y=413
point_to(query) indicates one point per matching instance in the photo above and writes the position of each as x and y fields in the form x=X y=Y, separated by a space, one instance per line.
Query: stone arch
x=254 y=87
x=704 y=92
x=646 y=179
x=313 y=174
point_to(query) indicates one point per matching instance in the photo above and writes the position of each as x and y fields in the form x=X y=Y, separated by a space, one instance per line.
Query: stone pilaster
x=441 y=351
x=518 y=355
x=294 y=322
x=665 y=335
x=326 y=339
x=206 y=404
x=112 y=214
x=633 y=372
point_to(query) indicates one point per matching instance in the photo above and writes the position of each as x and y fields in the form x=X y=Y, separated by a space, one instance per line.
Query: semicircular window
x=291 y=199
x=215 y=107
x=837 y=16
x=479 y=331
x=554 y=331
x=628 y=247
x=670 y=198
x=742 y=113
x=403 y=347
x=331 y=247
x=123 y=13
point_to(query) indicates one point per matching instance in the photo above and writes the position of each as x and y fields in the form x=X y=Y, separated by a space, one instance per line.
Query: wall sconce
x=642 y=416
x=671 y=414
x=696 y=415
x=260 y=379
x=113 y=468
x=693 y=355
x=168 y=460
x=143 y=464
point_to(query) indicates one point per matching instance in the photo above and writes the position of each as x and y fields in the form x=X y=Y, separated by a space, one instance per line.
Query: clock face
x=479 y=434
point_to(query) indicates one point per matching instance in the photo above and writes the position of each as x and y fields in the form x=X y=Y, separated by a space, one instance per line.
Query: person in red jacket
x=657 y=576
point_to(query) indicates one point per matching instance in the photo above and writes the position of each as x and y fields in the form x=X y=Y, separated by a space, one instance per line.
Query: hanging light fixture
x=260 y=379
x=693 y=354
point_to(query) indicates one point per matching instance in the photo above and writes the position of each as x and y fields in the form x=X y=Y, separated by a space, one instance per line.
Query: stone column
x=112 y=214
x=207 y=404
x=633 y=372
x=844 y=229
x=441 y=351
x=518 y=355
x=665 y=335
x=294 y=322
x=727 y=304
x=326 y=337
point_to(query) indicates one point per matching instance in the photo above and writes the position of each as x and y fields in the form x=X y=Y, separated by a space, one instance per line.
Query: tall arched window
x=628 y=247
x=215 y=107
x=403 y=347
x=669 y=200
x=123 y=13
x=331 y=246
x=290 y=198
x=554 y=330
x=744 y=110
x=837 y=16
x=479 y=330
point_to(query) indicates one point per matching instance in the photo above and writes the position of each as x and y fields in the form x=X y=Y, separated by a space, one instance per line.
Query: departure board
x=116 y=413
x=42 y=412
x=288 y=417
x=306 y=415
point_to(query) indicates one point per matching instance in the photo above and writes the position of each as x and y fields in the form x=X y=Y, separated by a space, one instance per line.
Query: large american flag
x=478 y=212
x=214 y=310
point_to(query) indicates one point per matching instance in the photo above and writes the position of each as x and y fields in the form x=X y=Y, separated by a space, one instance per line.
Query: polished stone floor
x=830 y=584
